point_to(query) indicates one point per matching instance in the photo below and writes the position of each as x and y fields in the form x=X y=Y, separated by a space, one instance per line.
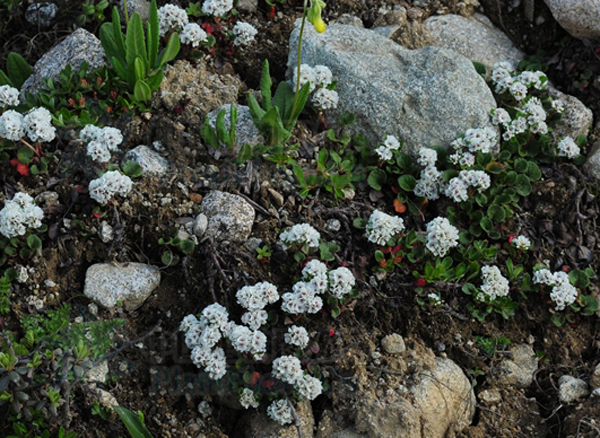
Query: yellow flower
x=319 y=25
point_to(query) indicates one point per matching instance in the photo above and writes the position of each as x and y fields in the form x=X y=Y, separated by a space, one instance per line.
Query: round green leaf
x=407 y=182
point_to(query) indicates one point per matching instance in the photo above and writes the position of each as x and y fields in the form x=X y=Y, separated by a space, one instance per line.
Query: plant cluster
x=262 y=304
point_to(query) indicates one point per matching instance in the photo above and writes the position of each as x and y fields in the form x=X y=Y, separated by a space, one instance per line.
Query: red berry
x=331 y=332
x=421 y=282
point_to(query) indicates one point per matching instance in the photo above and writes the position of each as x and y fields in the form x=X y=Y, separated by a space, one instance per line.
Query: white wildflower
x=19 y=214
x=109 y=185
x=325 y=99
x=300 y=234
x=309 y=387
x=522 y=243
x=427 y=157
x=9 y=96
x=38 y=125
x=518 y=90
x=288 y=369
x=341 y=282
x=255 y=318
x=193 y=34
x=563 y=294
x=558 y=105
x=457 y=190
x=475 y=178
x=494 y=284
x=11 y=125
x=500 y=116
x=381 y=227
x=384 y=153
x=323 y=76
x=217 y=8
x=543 y=276
x=187 y=322
x=307 y=74
x=171 y=18
x=248 y=398
x=244 y=33
x=280 y=412
x=98 y=151
x=441 y=236
x=391 y=142
x=313 y=269
x=297 y=336
x=429 y=183
x=568 y=148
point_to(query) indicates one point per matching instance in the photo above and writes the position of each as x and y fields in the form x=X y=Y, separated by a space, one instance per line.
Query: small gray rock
x=247 y=5
x=246 y=131
x=105 y=232
x=97 y=374
x=393 y=344
x=276 y=197
x=490 y=396
x=78 y=47
x=230 y=217
x=200 y=225
x=518 y=370
x=334 y=225
x=581 y=18
x=571 y=389
x=41 y=13
x=151 y=162
x=130 y=283
x=142 y=7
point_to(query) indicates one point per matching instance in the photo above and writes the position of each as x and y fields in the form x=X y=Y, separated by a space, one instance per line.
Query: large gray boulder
x=425 y=97
x=78 y=47
x=128 y=283
x=581 y=18
x=476 y=38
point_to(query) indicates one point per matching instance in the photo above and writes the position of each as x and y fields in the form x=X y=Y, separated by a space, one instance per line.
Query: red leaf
x=399 y=206
x=23 y=169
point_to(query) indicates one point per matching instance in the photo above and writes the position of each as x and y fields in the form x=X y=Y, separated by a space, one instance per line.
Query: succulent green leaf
x=18 y=70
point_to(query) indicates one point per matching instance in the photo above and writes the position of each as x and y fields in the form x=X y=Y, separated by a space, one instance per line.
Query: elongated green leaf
x=17 y=68
x=118 y=34
x=232 y=125
x=208 y=134
x=132 y=422
x=139 y=69
x=222 y=133
x=276 y=131
x=265 y=86
x=121 y=72
x=296 y=110
x=256 y=111
x=169 y=52
x=283 y=99
x=154 y=81
x=135 y=41
x=109 y=44
x=5 y=80
x=153 y=36
x=142 y=92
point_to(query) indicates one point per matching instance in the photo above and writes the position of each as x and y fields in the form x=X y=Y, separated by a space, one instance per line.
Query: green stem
x=298 y=61
x=125 y=12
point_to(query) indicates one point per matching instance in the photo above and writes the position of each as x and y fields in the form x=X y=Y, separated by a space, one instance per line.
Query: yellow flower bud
x=319 y=25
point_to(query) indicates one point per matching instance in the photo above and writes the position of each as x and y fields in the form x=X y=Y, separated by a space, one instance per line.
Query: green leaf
x=496 y=213
x=256 y=111
x=132 y=169
x=479 y=68
x=579 y=279
x=133 y=423
x=486 y=224
x=290 y=121
x=18 y=70
x=376 y=178
x=169 y=52
x=347 y=119
x=245 y=153
x=135 y=41
x=232 y=125
x=222 y=133
x=152 y=30
x=208 y=134
x=187 y=246
x=533 y=171
x=404 y=161
x=142 y=92
x=407 y=182
x=139 y=70
x=523 y=186
x=336 y=311
x=521 y=165
x=24 y=155
x=265 y=86
x=35 y=243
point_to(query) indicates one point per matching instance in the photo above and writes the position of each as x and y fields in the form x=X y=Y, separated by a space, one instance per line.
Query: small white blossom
x=381 y=227
x=341 y=282
x=307 y=74
x=543 y=276
x=558 y=105
x=441 y=236
x=309 y=387
x=300 y=234
x=384 y=153
x=188 y=322
x=323 y=76
x=254 y=319
x=38 y=125
x=297 y=336
x=563 y=294
x=325 y=99
x=248 y=398
x=313 y=269
x=391 y=142
x=522 y=243
x=91 y=133
x=193 y=34
x=19 y=214
x=457 y=190
x=480 y=140
x=287 y=369
x=568 y=148
x=217 y=8
x=429 y=183
x=171 y=17
x=98 y=151
x=109 y=185
x=11 y=125
x=9 y=96
x=280 y=412
x=112 y=137
x=427 y=157
x=518 y=90
x=494 y=284
x=500 y=116
x=244 y=33
x=475 y=178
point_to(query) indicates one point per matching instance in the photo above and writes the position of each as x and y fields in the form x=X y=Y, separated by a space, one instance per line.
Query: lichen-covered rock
x=246 y=131
x=517 y=369
x=393 y=344
x=577 y=118
x=425 y=97
x=230 y=217
x=78 y=47
x=151 y=162
x=476 y=38
x=41 y=14
x=581 y=18
x=571 y=389
x=129 y=283
x=192 y=91
x=142 y=7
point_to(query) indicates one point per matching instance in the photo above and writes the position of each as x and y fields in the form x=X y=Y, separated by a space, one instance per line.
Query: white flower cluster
x=300 y=235
x=244 y=33
x=386 y=150
x=458 y=187
x=494 y=284
x=9 y=96
x=427 y=157
x=289 y=370
x=101 y=141
x=531 y=115
x=37 y=124
x=171 y=17
x=319 y=77
x=193 y=34
x=110 y=184
x=522 y=243
x=441 y=236
x=474 y=140
x=504 y=78
x=563 y=292
x=254 y=299
x=217 y=8
x=280 y=412
x=430 y=183
x=297 y=336
x=568 y=148
x=245 y=340
x=381 y=227
x=247 y=399
x=19 y=214
x=317 y=280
